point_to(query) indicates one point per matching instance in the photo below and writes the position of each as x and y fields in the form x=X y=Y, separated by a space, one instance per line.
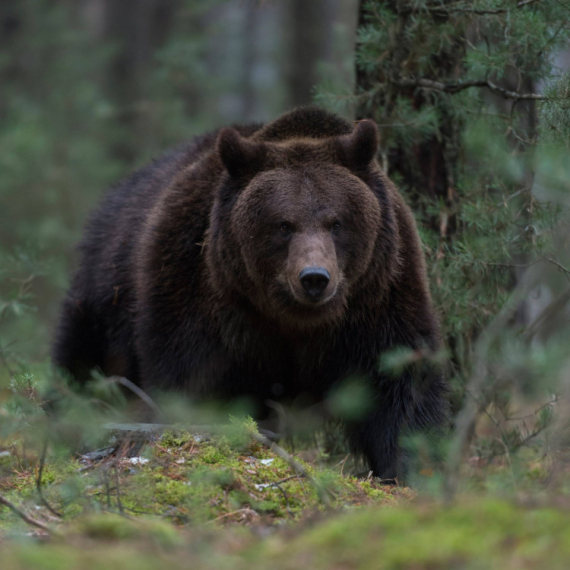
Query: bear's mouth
x=315 y=303
x=296 y=298
x=299 y=314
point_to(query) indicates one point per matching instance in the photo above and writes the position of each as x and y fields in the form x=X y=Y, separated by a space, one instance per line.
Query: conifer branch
x=479 y=12
x=457 y=87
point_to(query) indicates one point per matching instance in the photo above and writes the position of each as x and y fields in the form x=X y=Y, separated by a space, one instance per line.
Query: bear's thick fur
x=269 y=262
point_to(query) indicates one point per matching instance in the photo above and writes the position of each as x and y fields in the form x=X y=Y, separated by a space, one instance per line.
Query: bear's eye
x=285 y=228
x=336 y=227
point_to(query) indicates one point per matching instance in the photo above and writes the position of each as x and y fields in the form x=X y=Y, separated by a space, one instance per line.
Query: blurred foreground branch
x=26 y=518
x=476 y=398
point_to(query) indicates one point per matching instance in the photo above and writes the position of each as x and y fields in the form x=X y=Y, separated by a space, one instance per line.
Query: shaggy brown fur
x=192 y=277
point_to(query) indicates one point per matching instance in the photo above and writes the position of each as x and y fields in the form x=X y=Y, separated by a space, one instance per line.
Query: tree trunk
x=306 y=48
x=429 y=167
x=137 y=27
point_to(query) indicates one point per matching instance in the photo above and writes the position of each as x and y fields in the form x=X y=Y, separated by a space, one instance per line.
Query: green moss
x=107 y=527
x=483 y=535
x=212 y=455
x=373 y=491
x=170 y=492
x=486 y=533
x=188 y=481
x=37 y=558
x=110 y=526
x=176 y=438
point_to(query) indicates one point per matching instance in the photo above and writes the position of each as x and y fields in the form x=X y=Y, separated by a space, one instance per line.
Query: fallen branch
x=277 y=485
x=278 y=450
x=245 y=510
x=137 y=391
x=147 y=429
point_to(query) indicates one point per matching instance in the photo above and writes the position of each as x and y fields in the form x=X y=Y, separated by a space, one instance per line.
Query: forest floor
x=229 y=501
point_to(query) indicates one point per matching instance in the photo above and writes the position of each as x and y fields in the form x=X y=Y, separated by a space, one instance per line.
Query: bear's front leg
x=405 y=406
x=376 y=436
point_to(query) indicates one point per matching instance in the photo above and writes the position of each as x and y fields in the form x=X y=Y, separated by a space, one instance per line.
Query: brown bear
x=270 y=262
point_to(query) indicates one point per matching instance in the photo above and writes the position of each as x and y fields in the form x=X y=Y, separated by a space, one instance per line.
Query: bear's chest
x=268 y=363
x=271 y=365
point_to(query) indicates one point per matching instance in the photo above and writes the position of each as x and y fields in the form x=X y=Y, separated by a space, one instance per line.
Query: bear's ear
x=241 y=157
x=358 y=149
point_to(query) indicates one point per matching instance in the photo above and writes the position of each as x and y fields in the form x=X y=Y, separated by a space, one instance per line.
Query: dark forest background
x=91 y=89
x=472 y=104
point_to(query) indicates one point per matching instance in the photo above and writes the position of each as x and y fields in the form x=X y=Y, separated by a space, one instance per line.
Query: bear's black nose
x=314 y=281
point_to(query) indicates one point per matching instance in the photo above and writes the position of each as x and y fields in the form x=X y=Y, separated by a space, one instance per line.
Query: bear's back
x=115 y=225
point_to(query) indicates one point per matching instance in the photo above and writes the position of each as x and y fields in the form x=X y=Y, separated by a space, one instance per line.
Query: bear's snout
x=314 y=281
x=312 y=268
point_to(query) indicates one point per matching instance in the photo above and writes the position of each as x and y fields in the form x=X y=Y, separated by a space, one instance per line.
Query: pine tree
x=472 y=113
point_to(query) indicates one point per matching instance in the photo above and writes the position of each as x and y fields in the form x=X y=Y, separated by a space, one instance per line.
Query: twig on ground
x=39 y=481
x=118 y=484
x=278 y=450
x=285 y=480
x=105 y=476
x=278 y=484
x=246 y=510
x=341 y=463
x=285 y=496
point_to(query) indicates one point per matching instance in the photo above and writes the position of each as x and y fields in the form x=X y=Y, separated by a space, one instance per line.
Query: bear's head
x=295 y=222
